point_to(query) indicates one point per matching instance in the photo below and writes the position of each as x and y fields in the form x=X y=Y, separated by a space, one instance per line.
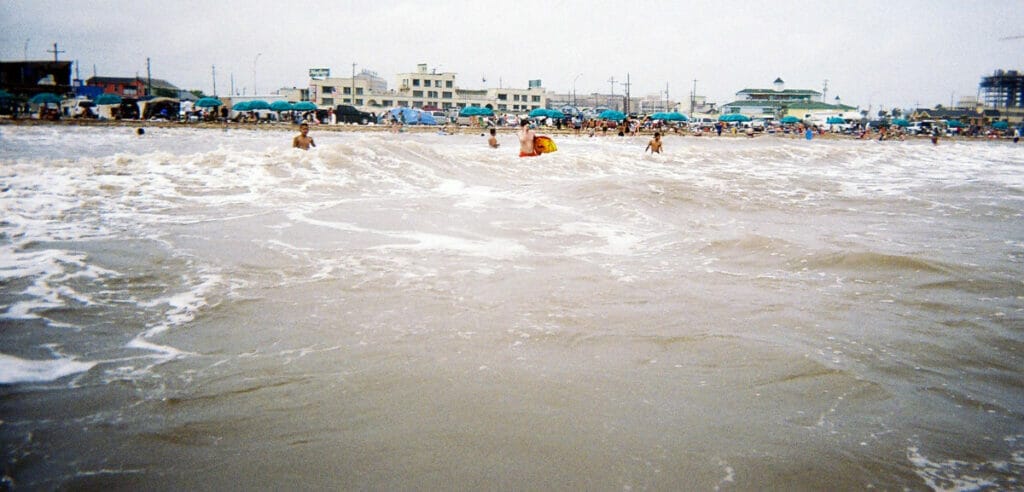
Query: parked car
x=344 y=113
x=923 y=127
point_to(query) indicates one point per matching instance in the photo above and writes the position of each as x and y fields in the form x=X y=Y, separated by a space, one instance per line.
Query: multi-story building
x=1003 y=93
x=780 y=102
x=135 y=86
x=331 y=91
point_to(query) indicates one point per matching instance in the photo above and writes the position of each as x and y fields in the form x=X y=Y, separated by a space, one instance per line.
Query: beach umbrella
x=539 y=113
x=835 y=120
x=611 y=114
x=281 y=106
x=258 y=104
x=107 y=99
x=45 y=98
x=554 y=113
x=6 y=95
x=673 y=116
x=304 y=106
x=787 y=120
x=900 y=122
x=1000 y=125
x=208 y=102
x=242 y=106
x=730 y=117
x=954 y=124
x=469 y=111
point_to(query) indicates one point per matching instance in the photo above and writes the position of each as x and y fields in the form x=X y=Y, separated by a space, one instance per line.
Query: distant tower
x=780 y=85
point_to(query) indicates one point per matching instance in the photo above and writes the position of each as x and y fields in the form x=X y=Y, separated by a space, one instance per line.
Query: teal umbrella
x=539 y=113
x=611 y=114
x=730 y=117
x=900 y=122
x=281 y=106
x=954 y=124
x=788 y=120
x=258 y=104
x=208 y=102
x=242 y=106
x=476 y=111
x=45 y=98
x=1000 y=125
x=673 y=116
x=835 y=120
x=107 y=99
x=6 y=95
x=304 y=106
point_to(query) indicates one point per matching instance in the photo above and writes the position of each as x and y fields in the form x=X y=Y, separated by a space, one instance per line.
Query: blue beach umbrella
x=258 y=104
x=242 y=106
x=208 y=102
x=954 y=124
x=1001 y=125
x=45 y=98
x=730 y=117
x=611 y=114
x=788 y=120
x=304 y=106
x=280 y=106
x=835 y=120
x=900 y=122
x=107 y=99
x=672 y=116
x=539 y=113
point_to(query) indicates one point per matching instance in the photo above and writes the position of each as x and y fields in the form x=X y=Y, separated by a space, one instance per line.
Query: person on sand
x=493 y=141
x=526 y=139
x=303 y=140
x=655 y=144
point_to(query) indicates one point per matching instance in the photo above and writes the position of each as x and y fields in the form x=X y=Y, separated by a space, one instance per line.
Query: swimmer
x=655 y=144
x=303 y=140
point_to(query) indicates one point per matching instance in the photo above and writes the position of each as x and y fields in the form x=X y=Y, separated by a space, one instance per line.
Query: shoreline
x=461 y=130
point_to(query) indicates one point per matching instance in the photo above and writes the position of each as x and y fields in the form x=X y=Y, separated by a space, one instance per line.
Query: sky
x=874 y=54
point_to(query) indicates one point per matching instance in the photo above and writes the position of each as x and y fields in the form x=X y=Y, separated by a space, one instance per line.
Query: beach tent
x=612 y=115
x=152 y=108
x=788 y=120
x=731 y=117
x=411 y=116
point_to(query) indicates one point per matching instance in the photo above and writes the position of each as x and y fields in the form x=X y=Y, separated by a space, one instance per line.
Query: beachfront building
x=28 y=78
x=422 y=88
x=779 y=102
x=1003 y=94
x=135 y=86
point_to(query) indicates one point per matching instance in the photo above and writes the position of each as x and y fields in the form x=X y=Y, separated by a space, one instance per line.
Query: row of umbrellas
x=274 y=106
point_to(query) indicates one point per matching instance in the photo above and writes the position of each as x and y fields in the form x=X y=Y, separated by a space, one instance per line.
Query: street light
x=257 y=57
x=574 y=90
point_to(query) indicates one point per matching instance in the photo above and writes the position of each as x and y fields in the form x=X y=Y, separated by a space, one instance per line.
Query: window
x=515 y=97
x=387 y=103
x=417 y=93
x=432 y=94
x=359 y=91
x=347 y=91
x=446 y=95
x=359 y=102
x=328 y=101
x=130 y=91
x=415 y=82
x=503 y=97
x=535 y=99
x=502 y=107
x=447 y=84
x=327 y=89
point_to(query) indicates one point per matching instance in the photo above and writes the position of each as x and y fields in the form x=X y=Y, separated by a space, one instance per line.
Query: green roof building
x=779 y=102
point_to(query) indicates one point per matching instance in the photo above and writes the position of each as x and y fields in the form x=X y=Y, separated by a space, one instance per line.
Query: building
x=1003 y=92
x=421 y=88
x=135 y=86
x=779 y=102
x=28 y=78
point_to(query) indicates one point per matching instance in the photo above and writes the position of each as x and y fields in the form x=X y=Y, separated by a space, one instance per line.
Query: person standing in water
x=303 y=140
x=655 y=144
x=527 y=136
x=493 y=141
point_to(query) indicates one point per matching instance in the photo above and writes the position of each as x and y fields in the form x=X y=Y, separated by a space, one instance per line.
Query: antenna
x=55 y=51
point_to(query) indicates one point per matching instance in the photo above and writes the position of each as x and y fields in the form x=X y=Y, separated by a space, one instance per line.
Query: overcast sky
x=892 y=52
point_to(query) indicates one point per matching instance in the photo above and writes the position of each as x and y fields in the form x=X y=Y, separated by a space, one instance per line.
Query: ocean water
x=206 y=309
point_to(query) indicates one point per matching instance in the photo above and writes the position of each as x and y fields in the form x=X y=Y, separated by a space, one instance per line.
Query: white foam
x=15 y=370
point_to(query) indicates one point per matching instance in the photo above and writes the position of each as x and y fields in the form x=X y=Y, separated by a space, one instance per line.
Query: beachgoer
x=526 y=139
x=1016 y=134
x=303 y=140
x=655 y=144
x=493 y=141
x=718 y=128
x=140 y=132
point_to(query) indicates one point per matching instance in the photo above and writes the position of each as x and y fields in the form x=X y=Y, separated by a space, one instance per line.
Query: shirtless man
x=655 y=144
x=493 y=141
x=303 y=140
x=526 y=139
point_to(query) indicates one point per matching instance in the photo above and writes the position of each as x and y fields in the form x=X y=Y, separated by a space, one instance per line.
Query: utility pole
x=625 y=104
x=26 y=48
x=55 y=51
x=149 y=78
x=78 y=77
x=693 y=97
x=214 y=67
x=233 y=93
x=824 y=92
x=353 y=84
x=666 y=97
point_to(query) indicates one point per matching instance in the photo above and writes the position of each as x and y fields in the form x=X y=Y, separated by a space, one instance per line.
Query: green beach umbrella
x=304 y=106
x=258 y=104
x=539 y=113
x=786 y=120
x=900 y=122
x=835 y=120
x=611 y=114
x=733 y=117
x=1000 y=125
x=107 y=99
x=208 y=102
x=45 y=98
x=242 y=106
x=281 y=106
x=673 y=116
x=6 y=95
x=954 y=124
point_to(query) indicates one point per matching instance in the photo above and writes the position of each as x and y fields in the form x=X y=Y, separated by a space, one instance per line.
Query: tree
x=896 y=112
x=882 y=113
x=198 y=93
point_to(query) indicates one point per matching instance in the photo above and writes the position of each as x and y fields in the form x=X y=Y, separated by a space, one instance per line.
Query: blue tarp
x=411 y=116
